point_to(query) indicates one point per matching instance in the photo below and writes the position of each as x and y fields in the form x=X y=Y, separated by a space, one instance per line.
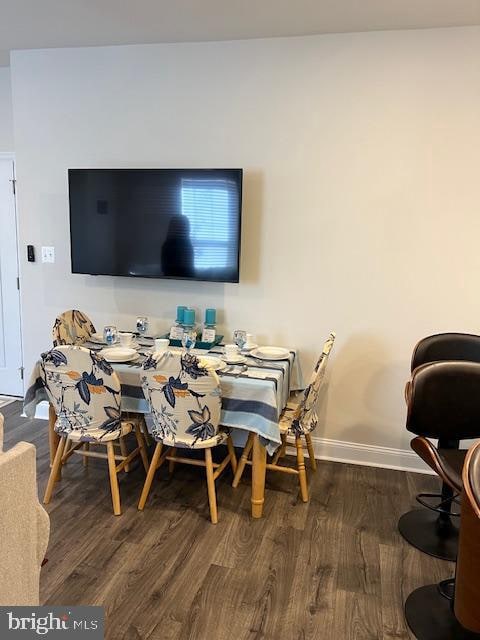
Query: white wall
x=361 y=198
x=6 y=120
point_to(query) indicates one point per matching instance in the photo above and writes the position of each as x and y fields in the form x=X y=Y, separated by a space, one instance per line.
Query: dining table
x=254 y=394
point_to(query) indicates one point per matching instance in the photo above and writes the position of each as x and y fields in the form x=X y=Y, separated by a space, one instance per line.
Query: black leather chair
x=430 y=612
x=446 y=346
x=433 y=530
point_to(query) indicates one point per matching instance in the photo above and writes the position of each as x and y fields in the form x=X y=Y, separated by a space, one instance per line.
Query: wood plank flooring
x=332 y=569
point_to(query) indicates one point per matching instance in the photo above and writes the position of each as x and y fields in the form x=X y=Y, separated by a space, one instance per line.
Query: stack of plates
x=119 y=354
x=270 y=353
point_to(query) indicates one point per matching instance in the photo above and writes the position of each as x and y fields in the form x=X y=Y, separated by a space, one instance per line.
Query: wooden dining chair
x=297 y=421
x=185 y=402
x=85 y=393
x=75 y=327
x=72 y=327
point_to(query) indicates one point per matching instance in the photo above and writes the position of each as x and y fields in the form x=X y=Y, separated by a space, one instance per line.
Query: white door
x=10 y=333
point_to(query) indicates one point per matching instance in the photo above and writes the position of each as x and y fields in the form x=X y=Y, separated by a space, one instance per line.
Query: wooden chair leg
x=212 y=497
x=283 y=449
x=259 y=469
x=53 y=438
x=124 y=450
x=113 y=479
x=150 y=474
x=146 y=435
x=280 y=452
x=141 y=446
x=171 y=464
x=231 y=452
x=302 y=474
x=57 y=462
x=65 y=451
x=86 y=447
x=311 y=452
x=243 y=461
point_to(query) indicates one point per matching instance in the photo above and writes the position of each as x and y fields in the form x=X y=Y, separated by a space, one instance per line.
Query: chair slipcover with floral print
x=72 y=327
x=85 y=393
x=298 y=420
x=185 y=403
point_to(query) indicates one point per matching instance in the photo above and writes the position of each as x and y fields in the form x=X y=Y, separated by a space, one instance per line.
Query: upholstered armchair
x=24 y=525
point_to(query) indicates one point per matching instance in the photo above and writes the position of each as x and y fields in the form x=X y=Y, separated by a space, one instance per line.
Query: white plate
x=119 y=354
x=211 y=362
x=133 y=345
x=233 y=359
x=249 y=347
x=133 y=358
x=97 y=337
x=271 y=353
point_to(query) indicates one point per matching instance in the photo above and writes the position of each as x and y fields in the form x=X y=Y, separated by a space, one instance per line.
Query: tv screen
x=156 y=223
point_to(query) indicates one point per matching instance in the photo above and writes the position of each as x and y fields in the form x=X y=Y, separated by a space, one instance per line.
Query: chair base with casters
x=68 y=445
x=213 y=469
x=430 y=616
x=299 y=470
x=433 y=529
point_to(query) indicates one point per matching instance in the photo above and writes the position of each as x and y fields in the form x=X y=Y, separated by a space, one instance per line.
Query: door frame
x=10 y=155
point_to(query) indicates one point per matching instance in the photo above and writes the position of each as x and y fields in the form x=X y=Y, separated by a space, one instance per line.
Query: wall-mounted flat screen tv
x=156 y=223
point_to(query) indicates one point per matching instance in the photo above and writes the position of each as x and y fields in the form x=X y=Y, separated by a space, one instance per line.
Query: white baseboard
x=339 y=451
x=367 y=455
x=41 y=411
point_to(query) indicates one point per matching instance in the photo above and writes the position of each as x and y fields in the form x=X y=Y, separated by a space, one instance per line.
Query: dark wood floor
x=332 y=569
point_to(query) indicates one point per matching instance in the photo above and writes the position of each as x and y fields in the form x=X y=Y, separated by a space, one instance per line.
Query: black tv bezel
x=129 y=275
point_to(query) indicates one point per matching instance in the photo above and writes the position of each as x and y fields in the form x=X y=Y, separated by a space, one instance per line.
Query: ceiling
x=32 y=24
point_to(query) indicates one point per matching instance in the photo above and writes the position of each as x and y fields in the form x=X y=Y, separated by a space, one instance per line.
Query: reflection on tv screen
x=157 y=223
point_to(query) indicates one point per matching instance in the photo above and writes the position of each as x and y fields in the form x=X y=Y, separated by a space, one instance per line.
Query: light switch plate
x=48 y=254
